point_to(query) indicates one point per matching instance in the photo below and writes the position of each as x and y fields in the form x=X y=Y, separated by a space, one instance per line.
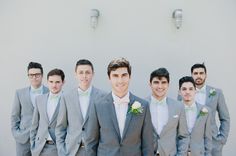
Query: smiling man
x=170 y=131
x=42 y=133
x=74 y=112
x=23 y=108
x=120 y=123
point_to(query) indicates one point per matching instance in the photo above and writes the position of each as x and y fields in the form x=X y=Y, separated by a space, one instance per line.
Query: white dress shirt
x=121 y=108
x=84 y=98
x=201 y=95
x=159 y=113
x=34 y=93
x=191 y=115
x=53 y=100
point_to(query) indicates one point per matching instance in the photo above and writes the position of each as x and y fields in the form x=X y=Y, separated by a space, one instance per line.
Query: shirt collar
x=159 y=102
x=86 y=92
x=55 y=96
x=201 y=90
x=123 y=100
x=37 y=90
x=192 y=107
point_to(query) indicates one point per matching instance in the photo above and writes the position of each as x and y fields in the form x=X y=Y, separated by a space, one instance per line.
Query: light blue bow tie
x=36 y=91
x=201 y=91
x=189 y=109
x=54 y=97
x=81 y=93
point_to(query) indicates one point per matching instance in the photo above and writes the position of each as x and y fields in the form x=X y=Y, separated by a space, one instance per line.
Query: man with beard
x=213 y=98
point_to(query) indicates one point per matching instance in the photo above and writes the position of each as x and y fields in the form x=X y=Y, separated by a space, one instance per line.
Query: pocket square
x=175 y=116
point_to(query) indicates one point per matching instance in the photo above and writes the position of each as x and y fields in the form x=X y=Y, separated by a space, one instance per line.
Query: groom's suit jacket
x=174 y=137
x=104 y=138
x=41 y=125
x=201 y=135
x=22 y=113
x=70 y=122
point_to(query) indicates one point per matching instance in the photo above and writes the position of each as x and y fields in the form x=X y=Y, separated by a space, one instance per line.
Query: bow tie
x=189 y=109
x=54 y=97
x=81 y=93
x=201 y=91
x=36 y=91
x=121 y=101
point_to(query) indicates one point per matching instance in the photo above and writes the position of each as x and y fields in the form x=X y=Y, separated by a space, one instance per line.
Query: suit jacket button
x=83 y=129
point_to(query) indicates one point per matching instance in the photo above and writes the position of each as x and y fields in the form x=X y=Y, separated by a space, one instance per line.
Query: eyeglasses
x=36 y=75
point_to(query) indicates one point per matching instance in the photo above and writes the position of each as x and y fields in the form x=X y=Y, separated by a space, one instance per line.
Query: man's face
x=199 y=76
x=187 y=91
x=119 y=80
x=55 y=83
x=159 y=87
x=84 y=75
x=35 y=77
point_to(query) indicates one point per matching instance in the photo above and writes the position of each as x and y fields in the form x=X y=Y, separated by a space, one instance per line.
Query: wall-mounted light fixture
x=94 y=14
x=177 y=16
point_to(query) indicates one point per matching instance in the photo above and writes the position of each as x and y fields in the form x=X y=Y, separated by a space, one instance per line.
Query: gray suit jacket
x=71 y=124
x=41 y=125
x=201 y=135
x=104 y=137
x=217 y=103
x=174 y=137
x=21 y=115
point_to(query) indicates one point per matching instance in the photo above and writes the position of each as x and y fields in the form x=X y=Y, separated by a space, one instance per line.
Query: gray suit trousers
x=23 y=149
x=49 y=150
x=217 y=147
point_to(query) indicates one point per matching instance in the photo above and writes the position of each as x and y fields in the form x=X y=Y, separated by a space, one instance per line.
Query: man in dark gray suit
x=214 y=99
x=120 y=123
x=74 y=112
x=42 y=133
x=23 y=107
x=170 y=133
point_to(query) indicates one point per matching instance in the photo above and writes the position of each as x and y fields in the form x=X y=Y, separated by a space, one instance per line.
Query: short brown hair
x=118 y=63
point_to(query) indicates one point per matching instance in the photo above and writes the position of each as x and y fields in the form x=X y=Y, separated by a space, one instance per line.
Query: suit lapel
x=28 y=98
x=112 y=111
x=171 y=113
x=45 y=103
x=199 y=107
x=75 y=98
x=128 y=116
x=208 y=98
x=91 y=98
x=54 y=116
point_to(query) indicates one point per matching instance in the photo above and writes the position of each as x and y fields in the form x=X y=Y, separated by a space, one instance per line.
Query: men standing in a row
x=23 y=107
x=74 y=112
x=42 y=133
x=214 y=99
x=198 y=119
x=120 y=123
x=171 y=135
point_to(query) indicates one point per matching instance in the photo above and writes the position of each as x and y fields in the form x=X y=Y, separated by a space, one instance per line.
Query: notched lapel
x=75 y=101
x=28 y=98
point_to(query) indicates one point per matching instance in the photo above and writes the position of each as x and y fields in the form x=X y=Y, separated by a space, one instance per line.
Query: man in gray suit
x=74 y=112
x=42 y=133
x=198 y=119
x=214 y=99
x=23 y=107
x=170 y=131
x=120 y=123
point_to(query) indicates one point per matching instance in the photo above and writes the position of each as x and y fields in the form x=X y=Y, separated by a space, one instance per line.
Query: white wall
x=57 y=33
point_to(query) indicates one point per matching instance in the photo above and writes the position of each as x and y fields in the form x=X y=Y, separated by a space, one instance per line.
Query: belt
x=50 y=142
x=81 y=145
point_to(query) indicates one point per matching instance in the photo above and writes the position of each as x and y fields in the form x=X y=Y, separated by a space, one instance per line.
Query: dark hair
x=58 y=72
x=35 y=65
x=83 y=62
x=186 y=79
x=118 y=63
x=198 y=65
x=161 y=72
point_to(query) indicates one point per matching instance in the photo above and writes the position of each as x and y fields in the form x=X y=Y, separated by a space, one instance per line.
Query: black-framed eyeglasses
x=36 y=75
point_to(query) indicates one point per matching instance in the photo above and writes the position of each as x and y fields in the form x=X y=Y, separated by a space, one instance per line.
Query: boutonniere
x=212 y=92
x=203 y=112
x=136 y=108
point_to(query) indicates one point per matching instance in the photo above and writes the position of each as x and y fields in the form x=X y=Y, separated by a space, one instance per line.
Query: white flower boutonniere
x=136 y=108
x=204 y=111
x=212 y=92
